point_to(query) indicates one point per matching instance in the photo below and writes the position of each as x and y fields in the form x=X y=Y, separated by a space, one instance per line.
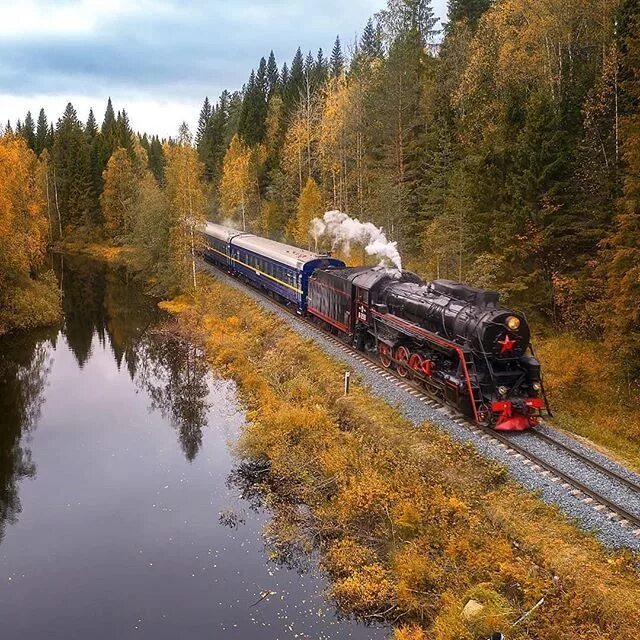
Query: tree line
x=503 y=151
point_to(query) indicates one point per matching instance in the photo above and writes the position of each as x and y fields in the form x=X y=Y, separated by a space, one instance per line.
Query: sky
x=158 y=59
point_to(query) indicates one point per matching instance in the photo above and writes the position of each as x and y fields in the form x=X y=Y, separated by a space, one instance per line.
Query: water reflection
x=103 y=303
x=174 y=374
x=103 y=306
x=106 y=304
x=25 y=363
x=288 y=540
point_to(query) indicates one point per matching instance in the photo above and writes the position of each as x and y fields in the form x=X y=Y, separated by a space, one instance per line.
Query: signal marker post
x=347 y=382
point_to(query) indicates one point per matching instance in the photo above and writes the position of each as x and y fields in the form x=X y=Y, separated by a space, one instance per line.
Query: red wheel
x=415 y=363
x=384 y=350
x=402 y=361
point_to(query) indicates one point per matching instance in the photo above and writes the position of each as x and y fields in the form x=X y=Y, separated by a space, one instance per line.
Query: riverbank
x=124 y=255
x=412 y=526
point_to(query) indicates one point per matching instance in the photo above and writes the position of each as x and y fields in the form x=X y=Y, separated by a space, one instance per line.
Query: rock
x=472 y=610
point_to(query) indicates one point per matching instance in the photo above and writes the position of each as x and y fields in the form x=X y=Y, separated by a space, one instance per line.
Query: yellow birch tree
x=310 y=206
x=185 y=191
x=238 y=181
x=120 y=196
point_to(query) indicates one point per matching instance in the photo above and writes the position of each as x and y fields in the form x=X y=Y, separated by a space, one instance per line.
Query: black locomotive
x=457 y=340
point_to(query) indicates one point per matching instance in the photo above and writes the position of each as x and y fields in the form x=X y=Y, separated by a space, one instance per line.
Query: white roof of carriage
x=278 y=251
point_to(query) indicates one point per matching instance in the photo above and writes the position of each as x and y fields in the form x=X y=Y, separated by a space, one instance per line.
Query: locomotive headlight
x=513 y=323
x=503 y=391
x=536 y=386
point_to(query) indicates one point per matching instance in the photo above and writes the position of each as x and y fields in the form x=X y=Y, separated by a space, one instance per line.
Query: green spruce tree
x=43 y=140
x=29 y=131
x=336 y=62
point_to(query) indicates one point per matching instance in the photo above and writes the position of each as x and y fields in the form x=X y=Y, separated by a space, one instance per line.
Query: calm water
x=119 y=514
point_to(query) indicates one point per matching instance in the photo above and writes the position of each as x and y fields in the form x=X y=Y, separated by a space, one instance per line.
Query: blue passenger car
x=270 y=265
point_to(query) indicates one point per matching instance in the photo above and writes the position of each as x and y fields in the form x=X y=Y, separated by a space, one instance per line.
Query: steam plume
x=343 y=230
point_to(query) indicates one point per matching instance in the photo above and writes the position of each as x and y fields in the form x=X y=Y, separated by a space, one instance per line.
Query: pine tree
x=43 y=140
x=204 y=121
x=371 y=41
x=402 y=17
x=109 y=136
x=295 y=82
x=320 y=69
x=124 y=132
x=72 y=171
x=253 y=114
x=29 y=131
x=336 y=62
x=8 y=130
x=91 y=128
x=233 y=111
x=273 y=76
x=109 y=120
x=156 y=159
x=93 y=143
x=284 y=77
x=210 y=138
x=262 y=83
x=469 y=10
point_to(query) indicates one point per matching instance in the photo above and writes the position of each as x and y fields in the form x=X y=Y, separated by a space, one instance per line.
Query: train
x=454 y=340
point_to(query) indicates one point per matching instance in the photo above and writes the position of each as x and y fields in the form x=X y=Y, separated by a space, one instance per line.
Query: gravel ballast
x=612 y=534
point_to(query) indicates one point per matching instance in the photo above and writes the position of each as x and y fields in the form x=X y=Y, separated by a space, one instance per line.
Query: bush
x=34 y=304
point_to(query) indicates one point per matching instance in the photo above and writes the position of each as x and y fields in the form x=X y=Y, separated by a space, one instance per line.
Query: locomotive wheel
x=402 y=362
x=384 y=351
x=415 y=363
x=484 y=415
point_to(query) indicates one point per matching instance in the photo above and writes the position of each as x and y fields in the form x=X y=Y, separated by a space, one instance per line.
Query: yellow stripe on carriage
x=258 y=272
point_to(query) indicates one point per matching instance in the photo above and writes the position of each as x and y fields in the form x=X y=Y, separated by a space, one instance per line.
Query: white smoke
x=343 y=230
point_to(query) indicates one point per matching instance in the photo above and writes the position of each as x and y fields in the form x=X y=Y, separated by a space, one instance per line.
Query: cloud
x=148 y=51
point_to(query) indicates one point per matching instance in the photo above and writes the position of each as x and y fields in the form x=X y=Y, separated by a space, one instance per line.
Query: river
x=119 y=513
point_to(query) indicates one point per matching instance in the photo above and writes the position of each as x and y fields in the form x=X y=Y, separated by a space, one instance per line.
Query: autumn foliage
x=411 y=525
x=27 y=297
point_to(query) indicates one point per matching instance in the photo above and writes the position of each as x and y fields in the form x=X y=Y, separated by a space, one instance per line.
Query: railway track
x=630 y=484
x=580 y=490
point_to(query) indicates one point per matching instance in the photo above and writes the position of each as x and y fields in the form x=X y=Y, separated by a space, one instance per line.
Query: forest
x=502 y=150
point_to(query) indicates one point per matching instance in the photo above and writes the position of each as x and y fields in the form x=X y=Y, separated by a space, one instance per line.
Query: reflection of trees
x=25 y=362
x=110 y=302
x=106 y=301
x=174 y=374
x=83 y=285
x=128 y=314
x=288 y=538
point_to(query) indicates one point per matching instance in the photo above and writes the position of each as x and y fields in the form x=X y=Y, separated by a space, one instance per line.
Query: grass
x=411 y=525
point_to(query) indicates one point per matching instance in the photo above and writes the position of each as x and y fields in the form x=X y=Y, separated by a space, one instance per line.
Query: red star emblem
x=507 y=345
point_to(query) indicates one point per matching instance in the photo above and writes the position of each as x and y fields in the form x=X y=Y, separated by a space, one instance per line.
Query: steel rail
x=625 y=517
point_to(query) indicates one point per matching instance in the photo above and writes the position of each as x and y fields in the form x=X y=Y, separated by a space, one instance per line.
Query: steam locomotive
x=455 y=340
